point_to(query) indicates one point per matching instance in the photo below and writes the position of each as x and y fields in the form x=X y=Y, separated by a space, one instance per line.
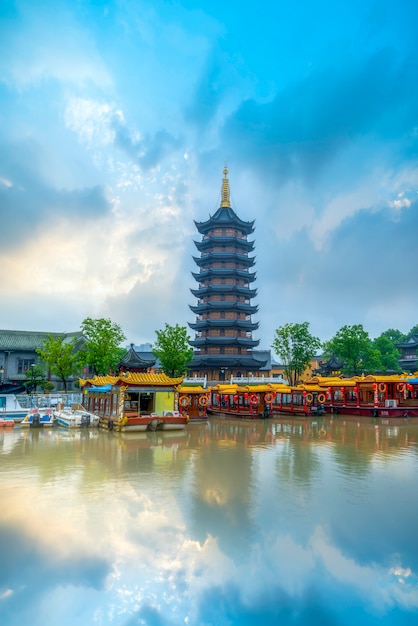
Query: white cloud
x=92 y=120
x=58 y=48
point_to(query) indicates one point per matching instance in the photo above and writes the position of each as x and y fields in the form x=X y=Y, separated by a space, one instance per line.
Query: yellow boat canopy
x=132 y=378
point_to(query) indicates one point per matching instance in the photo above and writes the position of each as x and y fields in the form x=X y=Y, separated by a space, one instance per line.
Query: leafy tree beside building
x=102 y=349
x=360 y=354
x=389 y=354
x=173 y=349
x=60 y=357
x=352 y=345
x=35 y=377
x=296 y=347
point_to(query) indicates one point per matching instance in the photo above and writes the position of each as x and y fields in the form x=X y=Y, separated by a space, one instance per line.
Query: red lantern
x=246 y=395
x=225 y=398
x=342 y=389
x=374 y=385
x=305 y=393
x=218 y=397
x=235 y=398
x=355 y=389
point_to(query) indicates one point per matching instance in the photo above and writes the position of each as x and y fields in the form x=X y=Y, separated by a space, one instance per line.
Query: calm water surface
x=276 y=522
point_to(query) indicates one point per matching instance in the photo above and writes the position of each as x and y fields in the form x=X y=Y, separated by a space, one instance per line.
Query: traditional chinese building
x=133 y=362
x=408 y=349
x=223 y=342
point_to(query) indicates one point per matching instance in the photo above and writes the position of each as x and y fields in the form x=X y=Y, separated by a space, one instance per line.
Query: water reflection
x=230 y=522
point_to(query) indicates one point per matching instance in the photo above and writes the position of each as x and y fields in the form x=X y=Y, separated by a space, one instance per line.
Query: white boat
x=14 y=407
x=75 y=416
x=38 y=418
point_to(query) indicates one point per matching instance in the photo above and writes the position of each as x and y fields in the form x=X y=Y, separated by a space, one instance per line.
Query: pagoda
x=223 y=341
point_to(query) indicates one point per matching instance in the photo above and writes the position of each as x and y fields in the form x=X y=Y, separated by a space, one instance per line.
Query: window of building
x=24 y=364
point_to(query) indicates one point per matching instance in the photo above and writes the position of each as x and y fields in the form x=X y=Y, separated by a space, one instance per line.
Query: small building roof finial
x=225 y=202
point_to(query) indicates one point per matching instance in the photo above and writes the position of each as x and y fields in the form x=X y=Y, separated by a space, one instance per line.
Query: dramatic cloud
x=117 y=121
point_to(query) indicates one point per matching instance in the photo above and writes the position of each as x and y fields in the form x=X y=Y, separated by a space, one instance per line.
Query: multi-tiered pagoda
x=223 y=342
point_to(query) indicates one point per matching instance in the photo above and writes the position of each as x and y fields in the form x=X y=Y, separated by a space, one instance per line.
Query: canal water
x=231 y=522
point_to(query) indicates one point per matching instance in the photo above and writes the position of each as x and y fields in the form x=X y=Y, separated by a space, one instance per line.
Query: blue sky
x=116 y=119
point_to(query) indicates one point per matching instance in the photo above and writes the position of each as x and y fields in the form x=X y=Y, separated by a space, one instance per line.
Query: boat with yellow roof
x=252 y=401
x=387 y=396
x=193 y=401
x=135 y=401
x=373 y=395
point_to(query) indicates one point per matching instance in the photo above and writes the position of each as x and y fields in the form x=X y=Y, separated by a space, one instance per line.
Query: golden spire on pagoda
x=225 y=189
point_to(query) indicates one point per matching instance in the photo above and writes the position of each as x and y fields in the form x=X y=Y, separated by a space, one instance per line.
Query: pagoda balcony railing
x=240 y=380
x=244 y=380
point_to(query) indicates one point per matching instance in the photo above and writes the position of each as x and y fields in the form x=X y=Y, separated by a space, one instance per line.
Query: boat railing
x=28 y=401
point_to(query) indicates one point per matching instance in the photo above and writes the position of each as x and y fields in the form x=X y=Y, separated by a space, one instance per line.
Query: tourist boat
x=75 y=416
x=168 y=421
x=38 y=418
x=243 y=401
x=193 y=401
x=13 y=407
x=391 y=396
x=135 y=401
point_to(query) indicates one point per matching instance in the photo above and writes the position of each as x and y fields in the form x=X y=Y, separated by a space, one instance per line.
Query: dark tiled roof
x=409 y=343
x=136 y=360
x=28 y=340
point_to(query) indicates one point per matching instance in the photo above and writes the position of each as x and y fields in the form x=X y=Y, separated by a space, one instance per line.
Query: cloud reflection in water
x=161 y=531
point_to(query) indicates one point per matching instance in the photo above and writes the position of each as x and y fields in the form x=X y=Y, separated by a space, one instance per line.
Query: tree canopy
x=35 y=377
x=353 y=346
x=296 y=347
x=102 y=349
x=389 y=354
x=173 y=349
x=60 y=357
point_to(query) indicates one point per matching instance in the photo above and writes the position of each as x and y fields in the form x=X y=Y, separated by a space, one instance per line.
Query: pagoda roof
x=208 y=289
x=224 y=305
x=240 y=242
x=219 y=361
x=209 y=257
x=214 y=362
x=224 y=341
x=223 y=272
x=225 y=215
x=245 y=324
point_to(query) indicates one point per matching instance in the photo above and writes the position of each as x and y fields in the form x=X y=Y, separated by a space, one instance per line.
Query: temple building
x=223 y=341
x=408 y=349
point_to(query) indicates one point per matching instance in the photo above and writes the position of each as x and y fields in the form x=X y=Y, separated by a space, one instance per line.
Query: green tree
x=35 y=377
x=173 y=349
x=60 y=357
x=353 y=346
x=413 y=331
x=102 y=349
x=296 y=347
x=394 y=335
x=389 y=354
